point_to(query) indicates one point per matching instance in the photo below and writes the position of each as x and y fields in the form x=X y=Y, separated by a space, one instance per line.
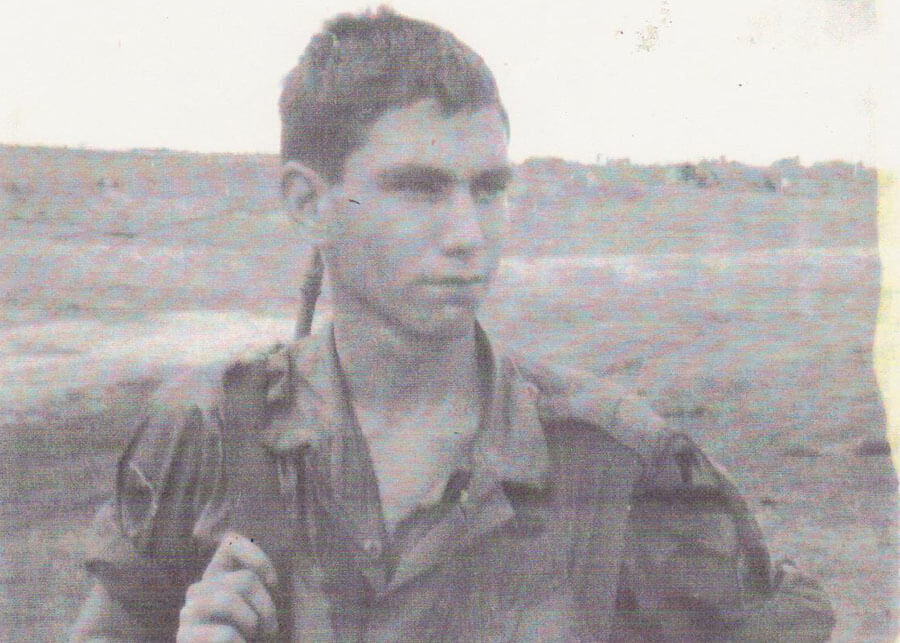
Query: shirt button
x=371 y=547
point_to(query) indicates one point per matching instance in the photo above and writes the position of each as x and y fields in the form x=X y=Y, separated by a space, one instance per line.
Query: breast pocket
x=521 y=578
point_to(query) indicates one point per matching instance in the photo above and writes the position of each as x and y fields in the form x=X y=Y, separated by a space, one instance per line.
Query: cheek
x=402 y=231
x=374 y=258
x=496 y=225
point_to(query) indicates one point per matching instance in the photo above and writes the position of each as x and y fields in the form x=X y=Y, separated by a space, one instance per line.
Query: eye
x=425 y=187
x=489 y=186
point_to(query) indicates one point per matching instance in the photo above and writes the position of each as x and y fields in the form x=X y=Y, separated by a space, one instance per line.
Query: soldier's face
x=416 y=226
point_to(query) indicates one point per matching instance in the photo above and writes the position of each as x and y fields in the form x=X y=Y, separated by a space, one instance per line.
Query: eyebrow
x=423 y=174
x=414 y=174
x=499 y=175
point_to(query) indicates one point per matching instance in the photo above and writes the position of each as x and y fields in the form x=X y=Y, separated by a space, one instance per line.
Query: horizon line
x=617 y=160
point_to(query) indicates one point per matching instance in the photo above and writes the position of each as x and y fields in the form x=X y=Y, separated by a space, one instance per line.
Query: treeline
x=563 y=207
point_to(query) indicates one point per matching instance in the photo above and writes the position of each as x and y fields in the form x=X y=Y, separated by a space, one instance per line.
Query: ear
x=303 y=190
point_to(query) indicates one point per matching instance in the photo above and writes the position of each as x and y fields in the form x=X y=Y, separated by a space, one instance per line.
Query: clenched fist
x=231 y=602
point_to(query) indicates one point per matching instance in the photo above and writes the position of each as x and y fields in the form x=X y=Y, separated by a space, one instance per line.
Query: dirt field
x=762 y=354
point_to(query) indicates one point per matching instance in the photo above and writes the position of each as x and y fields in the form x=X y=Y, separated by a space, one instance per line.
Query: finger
x=209 y=633
x=220 y=606
x=258 y=597
x=237 y=552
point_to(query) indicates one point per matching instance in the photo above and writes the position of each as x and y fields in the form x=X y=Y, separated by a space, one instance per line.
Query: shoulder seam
x=580 y=395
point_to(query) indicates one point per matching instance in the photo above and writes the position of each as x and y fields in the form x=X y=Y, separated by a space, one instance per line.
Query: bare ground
x=764 y=357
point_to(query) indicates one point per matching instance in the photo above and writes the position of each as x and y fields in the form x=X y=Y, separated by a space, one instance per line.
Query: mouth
x=456 y=281
x=455 y=290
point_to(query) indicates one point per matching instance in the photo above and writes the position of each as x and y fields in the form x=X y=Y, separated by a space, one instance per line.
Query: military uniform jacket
x=576 y=517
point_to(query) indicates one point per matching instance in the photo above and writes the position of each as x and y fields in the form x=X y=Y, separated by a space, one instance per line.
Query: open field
x=758 y=344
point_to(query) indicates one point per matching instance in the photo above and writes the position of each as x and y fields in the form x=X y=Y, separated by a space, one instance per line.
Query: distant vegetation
x=558 y=207
x=711 y=206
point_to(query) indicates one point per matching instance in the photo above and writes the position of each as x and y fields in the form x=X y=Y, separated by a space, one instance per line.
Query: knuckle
x=253 y=623
x=220 y=601
x=187 y=614
x=242 y=580
x=208 y=634
x=266 y=606
x=197 y=590
x=225 y=635
x=230 y=539
x=207 y=603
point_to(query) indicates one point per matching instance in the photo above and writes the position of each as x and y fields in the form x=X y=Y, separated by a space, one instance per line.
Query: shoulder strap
x=268 y=492
x=261 y=490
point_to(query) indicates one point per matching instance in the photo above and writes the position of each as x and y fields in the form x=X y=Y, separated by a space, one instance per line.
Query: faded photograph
x=426 y=323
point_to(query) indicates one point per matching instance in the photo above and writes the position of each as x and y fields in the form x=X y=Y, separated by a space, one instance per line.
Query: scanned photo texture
x=422 y=362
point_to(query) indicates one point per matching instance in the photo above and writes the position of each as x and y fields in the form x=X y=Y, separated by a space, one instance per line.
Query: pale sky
x=587 y=80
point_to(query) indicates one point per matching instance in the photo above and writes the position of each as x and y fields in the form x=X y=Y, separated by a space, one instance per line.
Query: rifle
x=310 y=288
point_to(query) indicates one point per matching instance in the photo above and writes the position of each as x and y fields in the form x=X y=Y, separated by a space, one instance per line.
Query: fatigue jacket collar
x=316 y=421
x=511 y=443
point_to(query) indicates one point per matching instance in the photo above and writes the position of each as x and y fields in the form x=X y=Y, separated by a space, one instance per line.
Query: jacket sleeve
x=697 y=568
x=147 y=545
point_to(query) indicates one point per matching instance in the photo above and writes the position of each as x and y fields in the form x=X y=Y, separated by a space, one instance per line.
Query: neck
x=393 y=371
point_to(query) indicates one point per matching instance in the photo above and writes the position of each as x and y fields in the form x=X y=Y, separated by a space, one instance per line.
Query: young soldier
x=398 y=476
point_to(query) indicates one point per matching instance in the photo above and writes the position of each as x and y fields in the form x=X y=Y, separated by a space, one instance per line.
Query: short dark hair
x=360 y=66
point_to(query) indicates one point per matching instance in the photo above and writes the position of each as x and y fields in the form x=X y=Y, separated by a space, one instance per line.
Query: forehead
x=422 y=134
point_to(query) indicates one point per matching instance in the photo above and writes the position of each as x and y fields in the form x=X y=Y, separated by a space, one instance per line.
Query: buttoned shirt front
x=575 y=515
x=418 y=583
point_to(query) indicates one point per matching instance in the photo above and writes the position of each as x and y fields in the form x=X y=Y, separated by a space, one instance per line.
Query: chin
x=442 y=327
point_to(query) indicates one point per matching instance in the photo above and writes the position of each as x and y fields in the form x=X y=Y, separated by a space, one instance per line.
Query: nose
x=462 y=233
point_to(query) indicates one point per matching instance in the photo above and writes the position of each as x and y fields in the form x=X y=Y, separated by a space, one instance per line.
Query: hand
x=231 y=602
